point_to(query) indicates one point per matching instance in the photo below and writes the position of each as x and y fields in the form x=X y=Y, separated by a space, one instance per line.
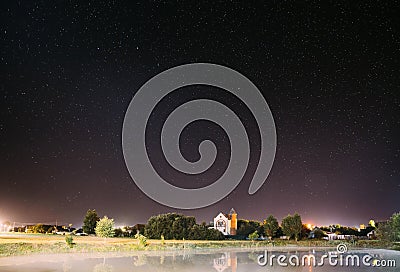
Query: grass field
x=21 y=244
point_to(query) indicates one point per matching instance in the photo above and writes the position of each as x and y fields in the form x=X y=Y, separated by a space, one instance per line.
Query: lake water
x=227 y=260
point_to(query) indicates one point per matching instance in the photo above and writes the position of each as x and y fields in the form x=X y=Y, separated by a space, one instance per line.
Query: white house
x=334 y=236
x=226 y=223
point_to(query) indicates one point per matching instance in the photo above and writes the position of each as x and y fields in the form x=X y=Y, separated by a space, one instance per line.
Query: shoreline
x=25 y=245
x=68 y=256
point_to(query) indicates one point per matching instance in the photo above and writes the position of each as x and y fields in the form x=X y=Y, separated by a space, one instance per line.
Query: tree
x=390 y=230
x=291 y=226
x=178 y=226
x=105 y=227
x=383 y=232
x=279 y=232
x=271 y=226
x=306 y=232
x=253 y=236
x=119 y=232
x=364 y=232
x=39 y=228
x=316 y=233
x=170 y=225
x=181 y=227
x=89 y=223
x=246 y=227
x=395 y=226
x=319 y=234
x=201 y=232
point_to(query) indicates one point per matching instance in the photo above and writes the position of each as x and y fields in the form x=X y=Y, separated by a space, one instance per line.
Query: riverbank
x=219 y=259
x=23 y=244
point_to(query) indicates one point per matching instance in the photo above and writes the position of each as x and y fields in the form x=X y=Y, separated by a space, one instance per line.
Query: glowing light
x=371 y=223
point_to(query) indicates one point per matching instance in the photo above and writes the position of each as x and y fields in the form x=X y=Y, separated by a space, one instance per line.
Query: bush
x=142 y=239
x=105 y=227
x=69 y=240
x=253 y=236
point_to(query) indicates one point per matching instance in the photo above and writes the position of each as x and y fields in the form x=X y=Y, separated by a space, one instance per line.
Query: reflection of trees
x=162 y=258
x=254 y=256
x=103 y=267
x=66 y=267
x=170 y=263
x=180 y=260
x=139 y=260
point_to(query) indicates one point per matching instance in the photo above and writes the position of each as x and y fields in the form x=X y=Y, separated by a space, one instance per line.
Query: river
x=227 y=260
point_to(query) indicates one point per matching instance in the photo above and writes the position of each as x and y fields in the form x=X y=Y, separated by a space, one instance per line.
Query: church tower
x=233 y=221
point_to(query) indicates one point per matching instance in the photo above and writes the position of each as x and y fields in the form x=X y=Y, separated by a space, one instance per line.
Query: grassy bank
x=21 y=244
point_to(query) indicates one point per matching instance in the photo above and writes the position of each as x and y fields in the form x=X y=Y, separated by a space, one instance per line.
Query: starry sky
x=329 y=72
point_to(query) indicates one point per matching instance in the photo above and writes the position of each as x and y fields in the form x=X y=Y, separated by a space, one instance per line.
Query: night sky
x=329 y=72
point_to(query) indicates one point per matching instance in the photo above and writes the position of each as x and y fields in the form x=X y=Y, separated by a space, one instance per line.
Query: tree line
x=291 y=226
x=177 y=226
x=163 y=226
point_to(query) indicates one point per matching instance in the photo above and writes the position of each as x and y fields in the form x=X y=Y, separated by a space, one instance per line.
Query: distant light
x=372 y=223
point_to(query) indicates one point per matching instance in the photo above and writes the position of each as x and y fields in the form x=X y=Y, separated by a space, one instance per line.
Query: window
x=221 y=224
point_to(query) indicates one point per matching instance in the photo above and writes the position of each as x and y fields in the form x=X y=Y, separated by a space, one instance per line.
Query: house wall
x=222 y=223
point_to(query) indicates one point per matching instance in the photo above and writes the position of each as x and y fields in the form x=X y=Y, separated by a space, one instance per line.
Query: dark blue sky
x=329 y=73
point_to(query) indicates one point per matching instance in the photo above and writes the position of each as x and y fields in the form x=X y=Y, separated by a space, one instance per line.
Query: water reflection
x=233 y=260
x=103 y=267
x=140 y=260
x=227 y=260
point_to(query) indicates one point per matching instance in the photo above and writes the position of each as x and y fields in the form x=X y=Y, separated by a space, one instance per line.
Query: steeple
x=233 y=221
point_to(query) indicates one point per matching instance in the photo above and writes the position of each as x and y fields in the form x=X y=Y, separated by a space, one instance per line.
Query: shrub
x=142 y=239
x=105 y=227
x=253 y=236
x=69 y=240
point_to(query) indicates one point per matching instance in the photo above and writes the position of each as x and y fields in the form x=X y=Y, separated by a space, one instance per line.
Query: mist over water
x=228 y=260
